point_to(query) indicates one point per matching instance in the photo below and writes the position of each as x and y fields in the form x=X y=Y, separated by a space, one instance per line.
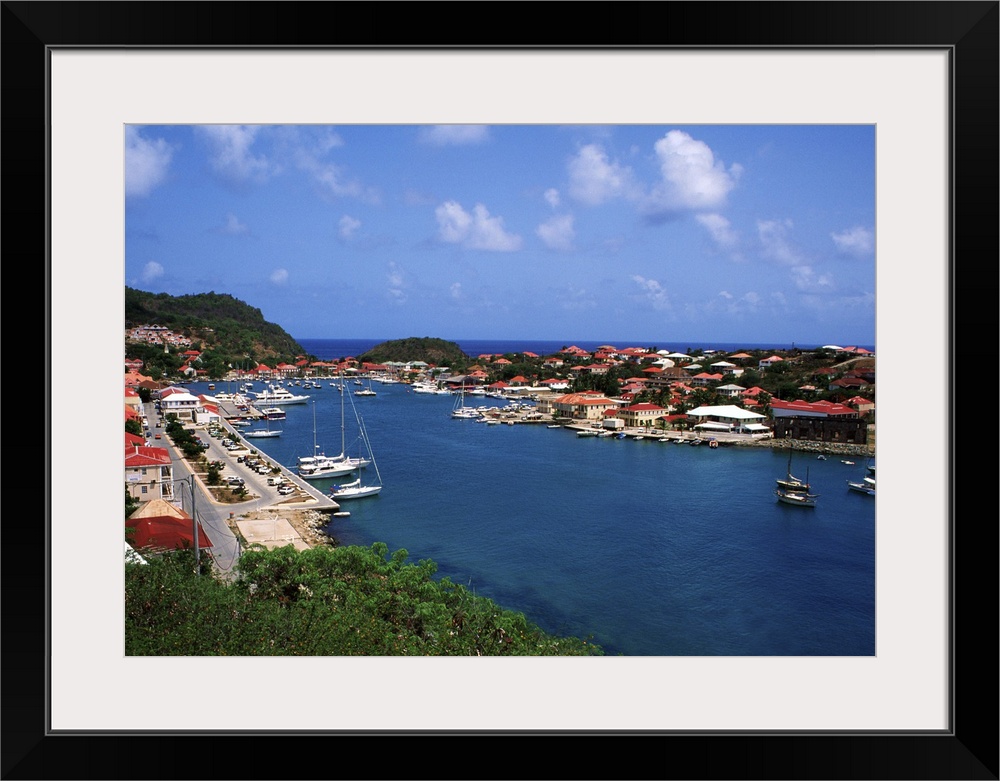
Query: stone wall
x=828 y=431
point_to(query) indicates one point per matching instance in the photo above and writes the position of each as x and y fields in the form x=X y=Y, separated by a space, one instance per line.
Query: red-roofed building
x=149 y=472
x=704 y=378
x=641 y=415
x=806 y=409
x=172 y=530
x=861 y=404
x=765 y=363
x=586 y=406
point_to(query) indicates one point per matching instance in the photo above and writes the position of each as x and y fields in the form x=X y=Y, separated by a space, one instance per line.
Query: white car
x=286 y=489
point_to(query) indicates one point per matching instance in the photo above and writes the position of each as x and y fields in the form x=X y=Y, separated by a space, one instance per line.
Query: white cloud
x=809 y=281
x=151 y=271
x=653 y=292
x=854 y=241
x=774 y=238
x=478 y=230
x=692 y=177
x=234 y=227
x=279 y=276
x=456 y=291
x=395 y=290
x=146 y=162
x=719 y=229
x=348 y=226
x=594 y=180
x=575 y=299
x=557 y=232
x=455 y=135
x=552 y=197
x=232 y=156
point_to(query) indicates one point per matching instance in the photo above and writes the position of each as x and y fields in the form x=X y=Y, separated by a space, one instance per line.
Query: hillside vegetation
x=228 y=328
x=343 y=601
x=436 y=351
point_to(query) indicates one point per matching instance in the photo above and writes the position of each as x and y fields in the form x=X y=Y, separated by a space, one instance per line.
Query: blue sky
x=649 y=233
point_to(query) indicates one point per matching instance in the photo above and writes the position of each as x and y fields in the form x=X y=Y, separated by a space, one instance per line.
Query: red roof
x=140 y=455
x=163 y=532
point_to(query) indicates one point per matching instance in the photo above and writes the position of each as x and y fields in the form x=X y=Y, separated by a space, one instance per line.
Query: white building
x=729 y=419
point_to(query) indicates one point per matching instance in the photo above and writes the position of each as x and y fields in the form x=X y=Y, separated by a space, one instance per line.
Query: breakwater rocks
x=808 y=446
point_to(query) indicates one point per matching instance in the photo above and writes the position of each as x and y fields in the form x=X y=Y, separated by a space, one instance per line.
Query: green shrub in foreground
x=326 y=601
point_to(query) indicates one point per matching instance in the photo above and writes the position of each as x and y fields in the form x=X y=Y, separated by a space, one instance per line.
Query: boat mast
x=343 y=443
x=364 y=434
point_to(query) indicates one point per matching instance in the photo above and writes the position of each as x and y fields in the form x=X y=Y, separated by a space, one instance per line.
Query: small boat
x=366 y=391
x=845 y=461
x=866 y=486
x=211 y=386
x=821 y=457
x=273 y=413
x=796 y=498
x=554 y=426
x=342 y=514
x=695 y=442
x=355 y=489
x=587 y=433
x=791 y=483
x=606 y=434
x=261 y=433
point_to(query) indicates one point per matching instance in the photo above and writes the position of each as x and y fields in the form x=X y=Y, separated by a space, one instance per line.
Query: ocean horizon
x=326 y=349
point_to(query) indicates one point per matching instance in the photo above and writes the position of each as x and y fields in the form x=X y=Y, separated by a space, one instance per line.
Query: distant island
x=437 y=352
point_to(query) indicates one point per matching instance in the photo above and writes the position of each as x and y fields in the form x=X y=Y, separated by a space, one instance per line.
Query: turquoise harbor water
x=651 y=549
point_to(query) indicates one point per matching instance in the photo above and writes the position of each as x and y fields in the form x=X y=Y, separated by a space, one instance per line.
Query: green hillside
x=436 y=351
x=226 y=329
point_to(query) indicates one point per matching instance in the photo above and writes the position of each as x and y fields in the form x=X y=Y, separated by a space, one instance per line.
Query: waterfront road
x=214 y=516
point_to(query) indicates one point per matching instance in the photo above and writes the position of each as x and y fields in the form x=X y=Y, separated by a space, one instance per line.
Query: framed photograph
x=922 y=74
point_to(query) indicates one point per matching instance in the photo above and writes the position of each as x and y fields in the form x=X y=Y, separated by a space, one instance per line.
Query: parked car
x=286 y=489
x=275 y=480
x=235 y=480
x=158 y=436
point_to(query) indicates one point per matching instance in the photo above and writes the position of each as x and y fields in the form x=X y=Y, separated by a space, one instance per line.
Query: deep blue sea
x=648 y=548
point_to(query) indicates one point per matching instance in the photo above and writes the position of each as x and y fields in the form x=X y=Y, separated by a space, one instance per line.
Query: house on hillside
x=149 y=472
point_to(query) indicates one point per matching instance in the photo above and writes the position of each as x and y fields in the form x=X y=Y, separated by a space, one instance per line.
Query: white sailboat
x=356 y=489
x=318 y=466
x=264 y=432
x=366 y=391
x=460 y=410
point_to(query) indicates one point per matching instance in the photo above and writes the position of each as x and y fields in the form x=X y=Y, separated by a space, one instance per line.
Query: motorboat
x=865 y=486
x=274 y=396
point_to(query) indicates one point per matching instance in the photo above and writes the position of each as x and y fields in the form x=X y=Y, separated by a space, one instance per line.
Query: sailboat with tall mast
x=461 y=410
x=319 y=465
x=356 y=489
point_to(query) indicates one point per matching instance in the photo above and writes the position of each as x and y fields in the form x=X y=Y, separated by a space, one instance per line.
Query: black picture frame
x=968 y=30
